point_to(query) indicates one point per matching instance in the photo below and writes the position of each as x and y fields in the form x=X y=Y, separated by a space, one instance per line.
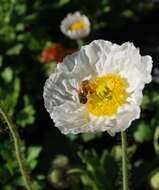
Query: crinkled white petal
x=71 y=19
x=97 y=59
x=74 y=118
x=126 y=114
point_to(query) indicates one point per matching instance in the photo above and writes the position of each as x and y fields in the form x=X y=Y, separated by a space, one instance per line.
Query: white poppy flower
x=98 y=88
x=75 y=26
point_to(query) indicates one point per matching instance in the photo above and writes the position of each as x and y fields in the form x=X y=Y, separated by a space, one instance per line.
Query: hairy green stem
x=17 y=142
x=124 y=160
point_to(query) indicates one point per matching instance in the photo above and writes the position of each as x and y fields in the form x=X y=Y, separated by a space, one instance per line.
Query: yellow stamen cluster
x=107 y=94
x=77 y=25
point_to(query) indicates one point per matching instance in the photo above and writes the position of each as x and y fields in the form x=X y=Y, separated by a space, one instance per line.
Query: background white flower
x=75 y=26
x=116 y=74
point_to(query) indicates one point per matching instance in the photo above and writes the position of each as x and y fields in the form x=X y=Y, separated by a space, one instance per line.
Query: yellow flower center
x=77 y=25
x=106 y=95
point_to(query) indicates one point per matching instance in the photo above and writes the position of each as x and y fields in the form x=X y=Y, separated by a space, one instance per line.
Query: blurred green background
x=74 y=162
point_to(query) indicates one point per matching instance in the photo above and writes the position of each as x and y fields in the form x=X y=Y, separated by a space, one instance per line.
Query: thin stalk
x=80 y=43
x=124 y=161
x=17 y=142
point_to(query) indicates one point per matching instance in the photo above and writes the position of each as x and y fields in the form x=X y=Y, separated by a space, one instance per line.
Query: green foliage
x=49 y=67
x=88 y=137
x=10 y=90
x=143 y=132
x=32 y=155
x=10 y=165
x=61 y=3
x=1 y=60
x=101 y=172
x=154 y=182
x=7 y=75
x=9 y=12
x=15 y=50
x=26 y=115
x=156 y=140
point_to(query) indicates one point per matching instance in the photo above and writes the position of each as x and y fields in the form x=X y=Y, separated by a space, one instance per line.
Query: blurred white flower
x=75 y=26
x=98 y=88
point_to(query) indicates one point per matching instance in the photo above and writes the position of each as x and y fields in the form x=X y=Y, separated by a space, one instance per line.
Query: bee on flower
x=75 y=26
x=98 y=88
x=83 y=91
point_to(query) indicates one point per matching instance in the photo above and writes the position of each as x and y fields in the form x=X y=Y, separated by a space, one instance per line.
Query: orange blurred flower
x=55 y=53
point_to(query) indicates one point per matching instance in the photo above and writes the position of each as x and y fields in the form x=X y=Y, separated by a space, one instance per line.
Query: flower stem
x=17 y=142
x=124 y=160
x=80 y=43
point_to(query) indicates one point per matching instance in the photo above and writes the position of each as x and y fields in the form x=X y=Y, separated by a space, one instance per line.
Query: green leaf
x=20 y=9
x=36 y=182
x=8 y=187
x=33 y=164
x=19 y=27
x=31 y=17
x=72 y=137
x=88 y=137
x=15 y=92
x=155 y=98
x=98 y=168
x=50 y=67
x=131 y=150
x=36 y=185
x=116 y=152
x=34 y=44
x=61 y=3
x=104 y=157
x=75 y=171
x=7 y=74
x=128 y=14
x=33 y=153
x=60 y=161
x=106 y=9
x=99 y=25
x=87 y=181
x=156 y=140
x=9 y=95
x=26 y=115
x=5 y=153
x=15 y=50
x=154 y=179
x=143 y=132
x=48 y=44
x=138 y=163
x=21 y=37
x=145 y=102
x=1 y=60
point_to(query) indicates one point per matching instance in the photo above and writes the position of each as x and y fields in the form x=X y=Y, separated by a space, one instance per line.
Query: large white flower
x=75 y=26
x=99 y=88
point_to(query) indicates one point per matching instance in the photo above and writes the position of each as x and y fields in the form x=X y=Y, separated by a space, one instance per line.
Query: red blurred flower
x=55 y=53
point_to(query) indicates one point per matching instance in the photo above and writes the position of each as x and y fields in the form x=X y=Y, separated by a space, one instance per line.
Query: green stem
x=124 y=160
x=80 y=43
x=17 y=142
